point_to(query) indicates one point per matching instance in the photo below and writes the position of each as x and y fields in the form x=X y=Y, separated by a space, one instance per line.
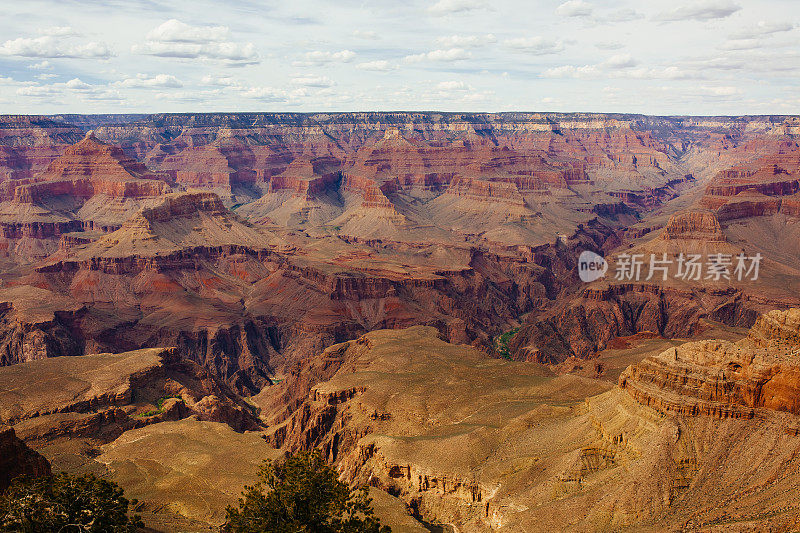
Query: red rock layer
x=723 y=379
x=700 y=225
x=307 y=177
x=87 y=168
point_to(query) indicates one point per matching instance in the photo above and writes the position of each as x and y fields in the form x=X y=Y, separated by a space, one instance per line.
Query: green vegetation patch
x=501 y=343
x=159 y=406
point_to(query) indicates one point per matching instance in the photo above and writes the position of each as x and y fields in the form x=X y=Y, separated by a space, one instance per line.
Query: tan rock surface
x=482 y=445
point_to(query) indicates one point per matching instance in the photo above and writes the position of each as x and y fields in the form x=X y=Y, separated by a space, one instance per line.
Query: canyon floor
x=185 y=296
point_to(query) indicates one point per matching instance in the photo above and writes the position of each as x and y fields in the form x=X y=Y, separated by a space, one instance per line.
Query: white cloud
x=571 y=71
x=743 y=44
x=227 y=52
x=466 y=41
x=265 y=94
x=535 y=45
x=447 y=7
x=575 y=8
x=143 y=81
x=38 y=91
x=366 y=34
x=609 y=45
x=51 y=47
x=620 y=61
x=313 y=81
x=377 y=66
x=58 y=31
x=761 y=29
x=623 y=15
x=452 y=86
x=701 y=10
x=76 y=84
x=317 y=58
x=41 y=65
x=452 y=54
x=720 y=91
x=604 y=70
x=175 y=31
x=175 y=39
x=220 y=81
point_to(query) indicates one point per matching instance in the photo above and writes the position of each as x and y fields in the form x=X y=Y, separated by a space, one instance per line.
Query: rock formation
x=16 y=459
x=98 y=397
x=724 y=379
x=471 y=442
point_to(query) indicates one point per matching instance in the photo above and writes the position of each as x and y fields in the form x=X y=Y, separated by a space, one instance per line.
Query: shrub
x=302 y=494
x=67 y=504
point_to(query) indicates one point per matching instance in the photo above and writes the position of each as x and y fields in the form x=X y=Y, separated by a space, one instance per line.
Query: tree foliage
x=66 y=504
x=302 y=494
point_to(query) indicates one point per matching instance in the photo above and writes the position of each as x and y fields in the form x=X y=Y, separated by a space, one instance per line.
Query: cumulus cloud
x=220 y=81
x=620 y=61
x=143 y=81
x=41 y=65
x=318 y=58
x=175 y=31
x=175 y=39
x=452 y=86
x=313 y=81
x=451 y=54
x=466 y=41
x=52 y=47
x=535 y=45
x=700 y=10
x=575 y=8
x=377 y=66
x=75 y=84
x=572 y=71
x=447 y=7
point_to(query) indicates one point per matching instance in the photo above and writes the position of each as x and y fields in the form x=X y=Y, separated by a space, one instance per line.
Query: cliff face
x=723 y=379
x=694 y=225
x=586 y=325
x=16 y=459
x=758 y=187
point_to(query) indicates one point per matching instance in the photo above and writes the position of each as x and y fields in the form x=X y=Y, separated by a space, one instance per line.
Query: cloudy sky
x=655 y=57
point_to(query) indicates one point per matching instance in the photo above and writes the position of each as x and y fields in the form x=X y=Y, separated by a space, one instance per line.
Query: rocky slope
x=499 y=436
x=98 y=397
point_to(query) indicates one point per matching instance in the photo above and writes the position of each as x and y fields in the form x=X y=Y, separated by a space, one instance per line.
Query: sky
x=657 y=57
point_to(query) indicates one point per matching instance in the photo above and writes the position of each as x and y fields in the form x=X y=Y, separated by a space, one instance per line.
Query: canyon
x=241 y=286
